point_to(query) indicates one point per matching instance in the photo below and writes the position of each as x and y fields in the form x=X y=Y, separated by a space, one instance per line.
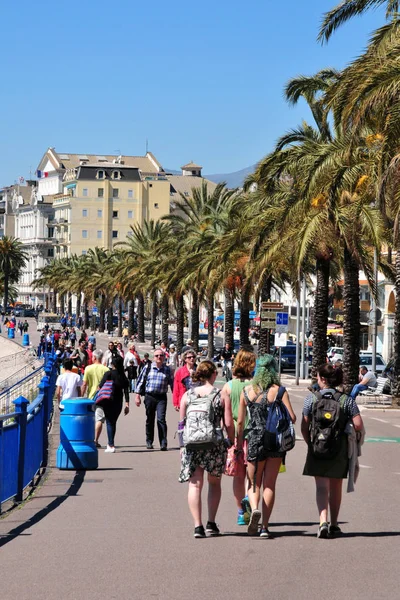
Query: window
x=100 y=193
x=50 y=252
x=115 y=193
x=130 y=214
x=115 y=234
x=115 y=214
x=51 y=232
x=84 y=212
x=99 y=213
x=130 y=193
x=84 y=252
x=99 y=234
x=116 y=175
x=155 y=204
x=85 y=191
x=84 y=233
x=151 y=185
x=101 y=174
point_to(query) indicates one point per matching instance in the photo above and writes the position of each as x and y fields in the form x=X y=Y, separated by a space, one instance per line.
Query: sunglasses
x=158 y=355
x=191 y=357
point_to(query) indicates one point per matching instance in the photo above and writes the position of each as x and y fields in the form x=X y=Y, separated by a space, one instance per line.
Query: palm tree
x=348 y=9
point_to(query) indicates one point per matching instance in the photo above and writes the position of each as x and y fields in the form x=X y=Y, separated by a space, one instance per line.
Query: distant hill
x=233 y=180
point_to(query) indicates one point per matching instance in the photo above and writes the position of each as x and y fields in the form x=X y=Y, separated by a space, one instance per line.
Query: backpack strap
x=280 y=393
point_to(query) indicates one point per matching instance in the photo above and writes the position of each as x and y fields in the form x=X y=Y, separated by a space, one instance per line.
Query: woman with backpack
x=325 y=417
x=242 y=372
x=264 y=399
x=203 y=416
x=113 y=405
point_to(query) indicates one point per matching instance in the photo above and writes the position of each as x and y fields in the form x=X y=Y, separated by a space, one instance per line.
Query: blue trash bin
x=11 y=332
x=77 y=449
x=25 y=339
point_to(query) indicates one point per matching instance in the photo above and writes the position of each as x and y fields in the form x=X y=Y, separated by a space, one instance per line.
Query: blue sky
x=201 y=81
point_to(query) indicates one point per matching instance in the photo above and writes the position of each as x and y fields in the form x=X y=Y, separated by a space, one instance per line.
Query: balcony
x=62 y=199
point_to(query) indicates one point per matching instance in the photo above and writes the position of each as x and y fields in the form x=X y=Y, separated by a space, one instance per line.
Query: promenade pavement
x=124 y=531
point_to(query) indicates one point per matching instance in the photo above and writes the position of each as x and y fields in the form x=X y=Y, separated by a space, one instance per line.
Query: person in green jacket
x=242 y=373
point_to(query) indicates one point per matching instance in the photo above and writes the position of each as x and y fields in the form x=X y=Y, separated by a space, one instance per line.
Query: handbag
x=105 y=394
x=234 y=461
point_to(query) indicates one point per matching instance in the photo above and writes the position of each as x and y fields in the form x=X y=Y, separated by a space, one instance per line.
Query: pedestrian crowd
x=243 y=430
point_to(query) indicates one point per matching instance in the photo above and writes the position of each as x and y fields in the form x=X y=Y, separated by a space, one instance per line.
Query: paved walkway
x=125 y=532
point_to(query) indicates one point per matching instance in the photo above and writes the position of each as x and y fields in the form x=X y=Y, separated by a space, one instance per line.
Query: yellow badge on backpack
x=328 y=416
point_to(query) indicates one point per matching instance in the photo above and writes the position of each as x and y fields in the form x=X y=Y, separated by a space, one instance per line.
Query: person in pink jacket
x=183 y=377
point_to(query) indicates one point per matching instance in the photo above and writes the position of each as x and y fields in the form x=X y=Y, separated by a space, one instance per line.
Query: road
x=124 y=531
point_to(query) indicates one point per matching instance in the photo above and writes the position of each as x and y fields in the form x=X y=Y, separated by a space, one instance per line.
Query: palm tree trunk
x=229 y=317
x=244 y=315
x=102 y=314
x=54 y=307
x=164 y=319
x=78 y=305
x=140 y=317
x=119 y=316
x=86 y=321
x=210 y=319
x=351 y=321
x=62 y=303
x=70 y=303
x=110 y=314
x=320 y=321
x=195 y=320
x=180 y=322
x=154 y=312
x=396 y=368
x=6 y=288
x=264 y=342
x=131 y=318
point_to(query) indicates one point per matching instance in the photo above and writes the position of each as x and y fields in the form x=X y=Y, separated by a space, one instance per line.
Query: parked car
x=203 y=340
x=366 y=361
x=335 y=353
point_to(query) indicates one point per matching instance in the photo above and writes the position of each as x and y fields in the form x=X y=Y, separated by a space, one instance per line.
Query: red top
x=179 y=386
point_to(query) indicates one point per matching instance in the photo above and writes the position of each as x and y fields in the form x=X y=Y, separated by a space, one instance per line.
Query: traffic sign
x=267 y=324
x=268 y=315
x=94 y=310
x=271 y=305
x=282 y=328
x=282 y=318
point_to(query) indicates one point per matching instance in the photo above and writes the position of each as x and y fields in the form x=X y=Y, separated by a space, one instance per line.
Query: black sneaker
x=164 y=448
x=212 y=529
x=323 y=531
x=199 y=532
x=334 y=531
x=149 y=446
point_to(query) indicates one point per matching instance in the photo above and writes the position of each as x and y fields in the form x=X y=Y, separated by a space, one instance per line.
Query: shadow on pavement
x=115 y=469
x=371 y=534
x=72 y=491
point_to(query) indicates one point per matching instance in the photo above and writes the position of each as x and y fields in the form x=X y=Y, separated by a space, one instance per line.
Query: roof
x=180 y=183
x=64 y=160
x=190 y=166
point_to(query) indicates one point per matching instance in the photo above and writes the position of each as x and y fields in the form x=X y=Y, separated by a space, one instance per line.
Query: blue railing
x=24 y=437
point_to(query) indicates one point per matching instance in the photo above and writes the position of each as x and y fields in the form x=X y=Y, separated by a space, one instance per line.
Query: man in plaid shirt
x=153 y=383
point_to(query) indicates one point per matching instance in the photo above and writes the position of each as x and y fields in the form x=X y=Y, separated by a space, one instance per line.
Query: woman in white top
x=69 y=383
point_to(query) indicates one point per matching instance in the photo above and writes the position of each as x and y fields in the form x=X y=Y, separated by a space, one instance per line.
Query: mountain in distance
x=233 y=180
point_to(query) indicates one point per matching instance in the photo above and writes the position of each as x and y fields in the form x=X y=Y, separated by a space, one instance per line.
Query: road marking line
x=380 y=420
x=365 y=467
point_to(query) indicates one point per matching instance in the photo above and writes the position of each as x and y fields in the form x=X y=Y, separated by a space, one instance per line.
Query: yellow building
x=97 y=198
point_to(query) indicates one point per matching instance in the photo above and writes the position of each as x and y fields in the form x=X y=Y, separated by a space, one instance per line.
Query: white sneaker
x=110 y=449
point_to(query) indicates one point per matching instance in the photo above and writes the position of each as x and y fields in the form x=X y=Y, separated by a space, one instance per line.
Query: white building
x=34 y=216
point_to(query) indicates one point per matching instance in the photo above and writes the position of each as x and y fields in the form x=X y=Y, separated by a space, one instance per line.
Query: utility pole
x=297 y=340
x=374 y=314
x=303 y=331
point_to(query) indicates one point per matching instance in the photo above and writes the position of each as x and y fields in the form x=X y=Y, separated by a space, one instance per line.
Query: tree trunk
x=78 y=305
x=110 y=324
x=396 y=330
x=54 y=306
x=131 y=318
x=86 y=323
x=70 y=303
x=154 y=311
x=180 y=322
x=140 y=317
x=320 y=321
x=6 y=288
x=210 y=319
x=120 y=317
x=244 y=315
x=229 y=317
x=62 y=304
x=102 y=314
x=164 y=319
x=351 y=321
x=195 y=320
x=264 y=342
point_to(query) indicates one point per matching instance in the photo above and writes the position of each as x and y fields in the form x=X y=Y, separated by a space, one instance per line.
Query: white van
x=50 y=318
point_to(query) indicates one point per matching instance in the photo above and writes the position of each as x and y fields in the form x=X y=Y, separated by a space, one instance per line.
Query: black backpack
x=327 y=424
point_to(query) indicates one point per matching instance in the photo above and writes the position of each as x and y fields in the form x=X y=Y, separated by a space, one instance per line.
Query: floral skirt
x=213 y=461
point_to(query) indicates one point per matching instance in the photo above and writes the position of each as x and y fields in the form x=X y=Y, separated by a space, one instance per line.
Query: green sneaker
x=241 y=520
